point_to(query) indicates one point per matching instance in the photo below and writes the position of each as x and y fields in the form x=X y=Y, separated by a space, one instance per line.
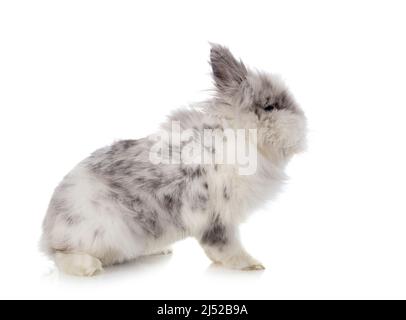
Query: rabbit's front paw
x=243 y=262
x=254 y=267
x=163 y=252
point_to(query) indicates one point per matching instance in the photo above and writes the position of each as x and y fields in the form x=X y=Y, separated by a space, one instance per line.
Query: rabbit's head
x=258 y=100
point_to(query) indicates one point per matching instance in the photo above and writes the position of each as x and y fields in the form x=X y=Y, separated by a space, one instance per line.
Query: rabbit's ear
x=228 y=73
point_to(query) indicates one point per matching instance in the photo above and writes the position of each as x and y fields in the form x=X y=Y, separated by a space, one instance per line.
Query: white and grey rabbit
x=118 y=205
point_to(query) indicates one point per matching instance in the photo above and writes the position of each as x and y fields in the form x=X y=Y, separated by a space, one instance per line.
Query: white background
x=77 y=75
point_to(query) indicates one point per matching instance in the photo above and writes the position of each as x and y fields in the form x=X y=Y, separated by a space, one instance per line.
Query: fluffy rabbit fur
x=117 y=205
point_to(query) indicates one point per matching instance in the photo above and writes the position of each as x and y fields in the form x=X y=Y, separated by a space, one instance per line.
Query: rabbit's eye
x=271 y=107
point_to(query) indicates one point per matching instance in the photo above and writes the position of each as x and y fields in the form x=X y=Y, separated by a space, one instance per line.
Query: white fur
x=78 y=264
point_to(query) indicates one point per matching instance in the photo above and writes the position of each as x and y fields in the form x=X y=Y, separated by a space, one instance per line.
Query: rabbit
x=118 y=204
